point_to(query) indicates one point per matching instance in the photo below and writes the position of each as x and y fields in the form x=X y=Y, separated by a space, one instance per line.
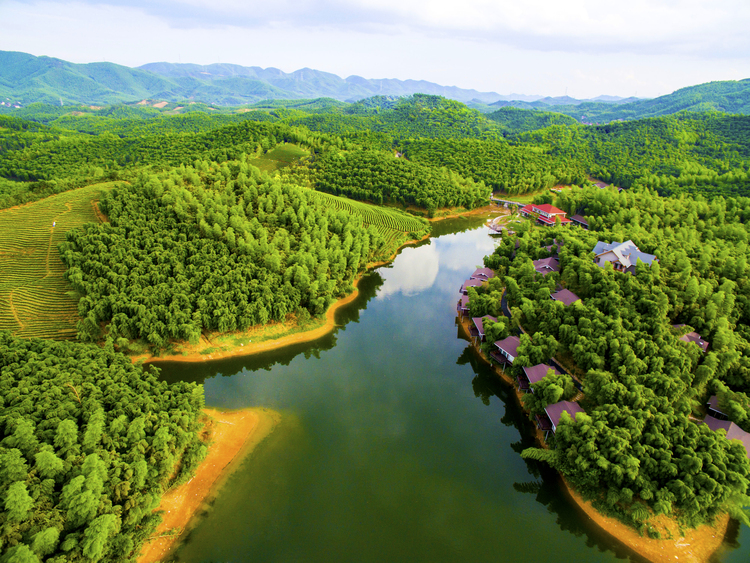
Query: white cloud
x=584 y=47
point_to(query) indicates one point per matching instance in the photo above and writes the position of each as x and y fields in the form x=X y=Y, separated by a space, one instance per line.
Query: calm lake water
x=396 y=443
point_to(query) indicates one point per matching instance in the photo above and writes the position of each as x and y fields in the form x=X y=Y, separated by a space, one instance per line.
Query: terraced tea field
x=393 y=224
x=35 y=299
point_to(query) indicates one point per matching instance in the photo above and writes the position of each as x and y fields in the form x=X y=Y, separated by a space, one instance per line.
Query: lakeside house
x=478 y=331
x=534 y=374
x=545 y=213
x=565 y=296
x=622 y=255
x=482 y=274
x=733 y=432
x=545 y=266
x=714 y=410
x=507 y=350
x=581 y=221
x=553 y=412
x=470 y=283
x=462 y=308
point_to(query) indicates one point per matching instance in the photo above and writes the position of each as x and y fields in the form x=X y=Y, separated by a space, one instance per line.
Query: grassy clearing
x=393 y=224
x=35 y=299
x=280 y=157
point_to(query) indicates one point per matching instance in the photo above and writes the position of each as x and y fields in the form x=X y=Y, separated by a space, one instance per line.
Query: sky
x=582 y=48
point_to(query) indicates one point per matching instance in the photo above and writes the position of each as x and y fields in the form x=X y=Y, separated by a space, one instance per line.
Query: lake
x=397 y=443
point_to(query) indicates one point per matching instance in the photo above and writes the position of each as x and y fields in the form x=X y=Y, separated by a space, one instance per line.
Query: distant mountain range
x=26 y=79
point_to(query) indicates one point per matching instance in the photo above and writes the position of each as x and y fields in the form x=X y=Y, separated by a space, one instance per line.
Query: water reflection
x=398 y=443
x=415 y=271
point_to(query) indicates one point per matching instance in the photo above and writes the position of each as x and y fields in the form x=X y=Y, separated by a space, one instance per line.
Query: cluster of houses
x=478 y=278
x=623 y=256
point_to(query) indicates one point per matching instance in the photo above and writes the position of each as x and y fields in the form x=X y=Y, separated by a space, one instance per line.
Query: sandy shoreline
x=232 y=436
x=696 y=546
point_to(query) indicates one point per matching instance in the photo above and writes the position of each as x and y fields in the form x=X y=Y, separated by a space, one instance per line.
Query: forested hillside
x=216 y=247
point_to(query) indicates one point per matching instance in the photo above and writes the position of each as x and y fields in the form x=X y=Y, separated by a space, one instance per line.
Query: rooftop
x=546 y=265
x=536 y=373
x=483 y=274
x=509 y=345
x=580 y=219
x=733 y=431
x=479 y=323
x=696 y=338
x=565 y=296
x=627 y=252
x=554 y=411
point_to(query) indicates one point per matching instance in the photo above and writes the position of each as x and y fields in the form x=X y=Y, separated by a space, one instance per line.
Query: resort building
x=482 y=274
x=696 y=339
x=622 y=255
x=470 y=283
x=534 y=374
x=477 y=329
x=551 y=421
x=581 y=221
x=462 y=308
x=733 y=431
x=545 y=213
x=507 y=350
x=565 y=296
x=714 y=410
x=545 y=266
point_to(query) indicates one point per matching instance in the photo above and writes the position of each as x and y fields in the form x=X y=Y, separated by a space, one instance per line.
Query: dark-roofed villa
x=714 y=410
x=545 y=266
x=482 y=274
x=733 y=431
x=463 y=306
x=534 y=374
x=478 y=327
x=696 y=339
x=507 y=350
x=470 y=283
x=554 y=412
x=565 y=296
x=580 y=220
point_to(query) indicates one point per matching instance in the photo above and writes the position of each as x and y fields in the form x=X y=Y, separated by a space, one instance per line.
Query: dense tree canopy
x=215 y=247
x=88 y=443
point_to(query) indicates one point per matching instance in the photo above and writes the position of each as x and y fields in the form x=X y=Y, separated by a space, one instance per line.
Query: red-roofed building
x=545 y=213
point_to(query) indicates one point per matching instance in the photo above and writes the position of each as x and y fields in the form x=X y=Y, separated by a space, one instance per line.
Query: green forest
x=225 y=219
x=636 y=452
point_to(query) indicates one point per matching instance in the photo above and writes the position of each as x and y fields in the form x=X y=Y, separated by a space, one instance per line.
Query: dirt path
x=233 y=435
x=14 y=312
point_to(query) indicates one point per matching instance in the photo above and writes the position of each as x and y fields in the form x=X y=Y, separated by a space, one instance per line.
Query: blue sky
x=580 y=47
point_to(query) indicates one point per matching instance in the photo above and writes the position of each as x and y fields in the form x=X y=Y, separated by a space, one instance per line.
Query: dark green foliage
x=499 y=165
x=380 y=178
x=216 y=247
x=515 y=120
x=88 y=443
